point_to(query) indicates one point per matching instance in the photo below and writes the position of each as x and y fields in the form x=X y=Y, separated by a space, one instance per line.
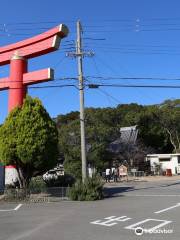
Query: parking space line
x=169 y=208
x=135 y=225
x=151 y=195
x=18 y=206
x=10 y=210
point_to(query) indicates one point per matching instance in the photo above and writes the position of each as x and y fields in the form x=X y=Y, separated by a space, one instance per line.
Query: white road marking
x=166 y=209
x=111 y=221
x=134 y=226
x=18 y=206
x=6 y=210
x=151 y=195
x=10 y=210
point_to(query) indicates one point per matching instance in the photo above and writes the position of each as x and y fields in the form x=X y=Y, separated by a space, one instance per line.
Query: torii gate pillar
x=17 y=91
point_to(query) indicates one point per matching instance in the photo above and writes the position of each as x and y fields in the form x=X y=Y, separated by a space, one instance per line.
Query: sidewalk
x=146 y=179
x=160 y=178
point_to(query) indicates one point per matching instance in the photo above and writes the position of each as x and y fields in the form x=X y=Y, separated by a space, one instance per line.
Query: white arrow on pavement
x=166 y=209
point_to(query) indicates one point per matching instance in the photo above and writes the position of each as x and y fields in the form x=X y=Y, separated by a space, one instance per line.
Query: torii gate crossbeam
x=17 y=55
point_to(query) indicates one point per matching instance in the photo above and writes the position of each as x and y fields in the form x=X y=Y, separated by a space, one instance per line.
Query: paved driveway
x=149 y=206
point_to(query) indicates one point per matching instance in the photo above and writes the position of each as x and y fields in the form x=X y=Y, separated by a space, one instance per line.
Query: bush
x=37 y=185
x=90 y=190
x=16 y=194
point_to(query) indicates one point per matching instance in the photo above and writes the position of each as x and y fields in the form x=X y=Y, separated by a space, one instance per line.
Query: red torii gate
x=17 y=55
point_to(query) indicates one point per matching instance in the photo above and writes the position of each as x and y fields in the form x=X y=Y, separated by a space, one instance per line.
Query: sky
x=136 y=39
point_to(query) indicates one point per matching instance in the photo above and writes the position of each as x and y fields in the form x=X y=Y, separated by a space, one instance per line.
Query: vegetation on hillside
x=33 y=142
x=158 y=125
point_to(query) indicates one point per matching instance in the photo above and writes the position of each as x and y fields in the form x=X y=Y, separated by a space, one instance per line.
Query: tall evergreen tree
x=29 y=140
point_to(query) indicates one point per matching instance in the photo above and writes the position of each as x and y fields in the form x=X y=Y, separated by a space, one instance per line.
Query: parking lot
x=152 y=207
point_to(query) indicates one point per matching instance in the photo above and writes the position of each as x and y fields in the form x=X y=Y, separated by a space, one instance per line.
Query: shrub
x=90 y=190
x=37 y=185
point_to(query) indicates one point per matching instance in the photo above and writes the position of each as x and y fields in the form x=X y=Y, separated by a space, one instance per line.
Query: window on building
x=164 y=159
x=178 y=159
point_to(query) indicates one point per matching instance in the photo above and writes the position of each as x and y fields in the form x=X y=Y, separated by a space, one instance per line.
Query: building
x=163 y=162
x=128 y=136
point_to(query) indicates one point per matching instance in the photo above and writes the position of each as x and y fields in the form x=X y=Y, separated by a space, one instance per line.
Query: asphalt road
x=152 y=206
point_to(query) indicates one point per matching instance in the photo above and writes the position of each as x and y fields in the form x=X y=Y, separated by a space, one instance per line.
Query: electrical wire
x=104 y=85
x=134 y=78
x=135 y=86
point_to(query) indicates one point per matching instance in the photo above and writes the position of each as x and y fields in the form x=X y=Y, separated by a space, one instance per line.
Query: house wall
x=11 y=175
x=174 y=160
x=169 y=165
x=172 y=164
x=153 y=162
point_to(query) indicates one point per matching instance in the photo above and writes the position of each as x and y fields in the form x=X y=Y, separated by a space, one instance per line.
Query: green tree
x=128 y=114
x=28 y=139
x=103 y=125
x=98 y=136
x=169 y=119
x=151 y=131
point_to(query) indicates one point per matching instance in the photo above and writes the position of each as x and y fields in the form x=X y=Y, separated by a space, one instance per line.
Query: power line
x=109 y=95
x=38 y=22
x=133 y=86
x=94 y=85
x=112 y=70
x=139 y=52
x=103 y=91
x=133 y=78
x=48 y=86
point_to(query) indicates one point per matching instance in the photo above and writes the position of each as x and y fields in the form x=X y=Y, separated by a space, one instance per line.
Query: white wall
x=172 y=164
x=153 y=162
x=168 y=165
x=11 y=175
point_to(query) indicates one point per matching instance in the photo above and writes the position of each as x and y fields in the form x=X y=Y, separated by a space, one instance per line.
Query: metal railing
x=136 y=174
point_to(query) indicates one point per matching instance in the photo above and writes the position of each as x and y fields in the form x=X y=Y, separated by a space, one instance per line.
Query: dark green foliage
x=158 y=125
x=37 y=185
x=169 y=118
x=151 y=131
x=128 y=114
x=28 y=139
x=90 y=190
x=98 y=136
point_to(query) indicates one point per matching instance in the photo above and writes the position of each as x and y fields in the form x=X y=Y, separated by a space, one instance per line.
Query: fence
x=136 y=174
x=51 y=194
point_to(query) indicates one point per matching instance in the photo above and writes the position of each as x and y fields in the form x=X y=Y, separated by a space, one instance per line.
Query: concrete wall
x=172 y=164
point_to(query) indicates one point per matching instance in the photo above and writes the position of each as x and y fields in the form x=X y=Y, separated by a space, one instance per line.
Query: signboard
x=122 y=170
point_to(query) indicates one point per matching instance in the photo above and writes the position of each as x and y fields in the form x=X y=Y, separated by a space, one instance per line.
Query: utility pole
x=81 y=98
x=79 y=54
